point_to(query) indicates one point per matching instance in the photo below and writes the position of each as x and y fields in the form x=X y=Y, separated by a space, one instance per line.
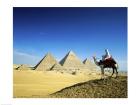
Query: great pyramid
x=46 y=63
x=71 y=61
x=90 y=65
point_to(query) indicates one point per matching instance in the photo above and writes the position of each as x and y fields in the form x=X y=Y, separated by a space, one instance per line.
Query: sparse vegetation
x=74 y=73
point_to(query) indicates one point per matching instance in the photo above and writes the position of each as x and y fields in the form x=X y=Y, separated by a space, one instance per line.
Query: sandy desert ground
x=31 y=83
x=40 y=84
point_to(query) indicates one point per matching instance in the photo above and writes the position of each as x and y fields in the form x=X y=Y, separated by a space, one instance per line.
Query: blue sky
x=86 y=31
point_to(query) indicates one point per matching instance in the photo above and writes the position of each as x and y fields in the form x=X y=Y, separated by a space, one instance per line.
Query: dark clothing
x=110 y=60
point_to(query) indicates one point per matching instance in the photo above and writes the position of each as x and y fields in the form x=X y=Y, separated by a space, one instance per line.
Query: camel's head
x=94 y=56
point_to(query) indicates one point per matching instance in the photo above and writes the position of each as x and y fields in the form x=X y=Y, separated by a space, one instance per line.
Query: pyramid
x=57 y=67
x=71 y=61
x=15 y=66
x=46 y=63
x=89 y=64
x=23 y=67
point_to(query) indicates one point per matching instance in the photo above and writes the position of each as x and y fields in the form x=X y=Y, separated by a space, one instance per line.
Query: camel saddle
x=108 y=61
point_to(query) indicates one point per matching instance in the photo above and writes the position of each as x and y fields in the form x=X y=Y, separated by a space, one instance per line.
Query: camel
x=111 y=63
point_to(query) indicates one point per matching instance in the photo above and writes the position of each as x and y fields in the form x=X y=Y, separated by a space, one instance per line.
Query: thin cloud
x=24 y=58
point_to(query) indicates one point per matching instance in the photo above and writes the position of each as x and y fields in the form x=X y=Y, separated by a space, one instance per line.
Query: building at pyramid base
x=57 y=67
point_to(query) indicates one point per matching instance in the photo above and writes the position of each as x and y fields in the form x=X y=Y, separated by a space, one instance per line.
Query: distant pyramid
x=57 y=67
x=71 y=61
x=23 y=67
x=46 y=63
x=15 y=66
x=89 y=64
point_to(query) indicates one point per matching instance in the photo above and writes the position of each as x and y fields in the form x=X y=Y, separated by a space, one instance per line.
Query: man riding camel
x=106 y=62
x=107 y=56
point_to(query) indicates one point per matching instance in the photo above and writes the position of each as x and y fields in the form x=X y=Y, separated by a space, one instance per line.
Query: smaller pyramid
x=23 y=67
x=46 y=63
x=57 y=67
x=90 y=65
x=87 y=62
x=15 y=66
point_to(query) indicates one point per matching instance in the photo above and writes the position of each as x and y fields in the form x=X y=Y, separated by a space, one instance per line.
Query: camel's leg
x=113 y=72
x=116 y=72
x=102 y=72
